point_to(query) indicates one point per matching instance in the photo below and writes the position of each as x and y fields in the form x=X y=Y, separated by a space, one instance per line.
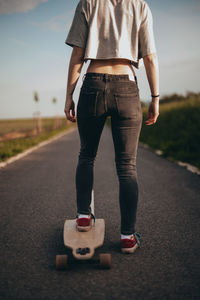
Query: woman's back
x=111 y=66
x=113 y=33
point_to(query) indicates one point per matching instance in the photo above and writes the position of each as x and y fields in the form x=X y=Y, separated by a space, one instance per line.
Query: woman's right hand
x=70 y=109
x=153 y=112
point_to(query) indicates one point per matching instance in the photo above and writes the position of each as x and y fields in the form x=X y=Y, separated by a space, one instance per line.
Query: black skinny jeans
x=117 y=96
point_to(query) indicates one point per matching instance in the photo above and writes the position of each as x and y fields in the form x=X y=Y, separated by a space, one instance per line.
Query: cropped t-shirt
x=113 y=29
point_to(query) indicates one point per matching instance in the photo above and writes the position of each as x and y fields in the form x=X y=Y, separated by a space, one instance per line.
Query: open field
x=26 y=125
x=21 y=134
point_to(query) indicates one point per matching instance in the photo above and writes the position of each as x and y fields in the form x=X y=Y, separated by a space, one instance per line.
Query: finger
x=148 y=123
x=155 y=118
x=73 y=115
x=151 y=121
x=65 y=114
x=71 y=118
x=65 y=111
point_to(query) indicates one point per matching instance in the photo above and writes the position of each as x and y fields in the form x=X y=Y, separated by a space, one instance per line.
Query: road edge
x=188 y=166
x=30 y=150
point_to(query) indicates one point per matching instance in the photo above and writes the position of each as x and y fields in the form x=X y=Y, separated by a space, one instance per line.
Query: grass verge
x=177 y=130
x=10 y=148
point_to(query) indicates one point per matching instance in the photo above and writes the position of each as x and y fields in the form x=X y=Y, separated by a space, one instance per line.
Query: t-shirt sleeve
x=146 y=33
x=78 y=32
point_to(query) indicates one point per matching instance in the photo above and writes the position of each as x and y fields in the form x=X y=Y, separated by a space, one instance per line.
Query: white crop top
x=113 y=29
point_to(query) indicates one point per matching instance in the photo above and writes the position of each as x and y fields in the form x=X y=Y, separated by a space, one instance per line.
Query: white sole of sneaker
x=129 y=250
x=84 y=228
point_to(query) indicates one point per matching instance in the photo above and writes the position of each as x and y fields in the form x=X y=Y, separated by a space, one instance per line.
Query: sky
x=34 y=56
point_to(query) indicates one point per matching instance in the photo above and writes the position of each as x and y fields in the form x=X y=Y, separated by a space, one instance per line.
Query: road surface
x=37 y=195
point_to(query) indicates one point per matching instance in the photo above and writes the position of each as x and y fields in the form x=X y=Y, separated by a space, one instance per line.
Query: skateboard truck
x=83 y=251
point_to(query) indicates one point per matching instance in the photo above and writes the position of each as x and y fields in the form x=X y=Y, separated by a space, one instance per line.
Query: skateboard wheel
x=105 y=260
x=61 y=262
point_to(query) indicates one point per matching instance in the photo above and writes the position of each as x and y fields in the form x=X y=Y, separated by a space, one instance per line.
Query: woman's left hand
x=153 y=113
x=70 y=109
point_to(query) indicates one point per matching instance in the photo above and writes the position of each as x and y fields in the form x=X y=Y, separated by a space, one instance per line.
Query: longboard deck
x=83 y=244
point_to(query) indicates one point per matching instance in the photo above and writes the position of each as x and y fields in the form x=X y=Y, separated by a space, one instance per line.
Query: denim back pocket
x=128 y=105
x=87 y=103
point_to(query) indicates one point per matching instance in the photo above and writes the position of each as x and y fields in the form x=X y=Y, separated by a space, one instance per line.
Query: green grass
x=177 y=130
x=10 y=148
x=176 y=133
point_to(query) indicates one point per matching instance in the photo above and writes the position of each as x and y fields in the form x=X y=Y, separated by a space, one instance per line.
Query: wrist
x=155 y=101
x=155 y=97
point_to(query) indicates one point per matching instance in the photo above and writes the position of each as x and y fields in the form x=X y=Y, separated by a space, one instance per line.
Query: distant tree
x=37 y=113
x=190 y=94
x=54 y=100
x=36 y=97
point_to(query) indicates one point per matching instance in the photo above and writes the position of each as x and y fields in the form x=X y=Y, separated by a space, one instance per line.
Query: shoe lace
x=137 y=237
x=93 y=217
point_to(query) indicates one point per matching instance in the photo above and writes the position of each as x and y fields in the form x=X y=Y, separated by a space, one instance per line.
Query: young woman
x=115 y=35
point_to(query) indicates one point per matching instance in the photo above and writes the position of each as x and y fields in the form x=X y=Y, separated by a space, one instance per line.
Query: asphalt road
x=37 y=195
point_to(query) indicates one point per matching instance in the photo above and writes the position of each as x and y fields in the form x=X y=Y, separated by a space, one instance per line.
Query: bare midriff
x=112 y=66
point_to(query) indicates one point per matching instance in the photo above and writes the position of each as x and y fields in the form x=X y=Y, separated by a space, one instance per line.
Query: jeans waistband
x=106 y=76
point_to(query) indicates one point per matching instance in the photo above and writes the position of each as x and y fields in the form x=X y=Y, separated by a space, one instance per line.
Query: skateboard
x=83 y=244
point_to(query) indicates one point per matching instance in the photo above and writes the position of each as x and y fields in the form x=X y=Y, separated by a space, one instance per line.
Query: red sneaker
x=130 y=245
x=84 y=224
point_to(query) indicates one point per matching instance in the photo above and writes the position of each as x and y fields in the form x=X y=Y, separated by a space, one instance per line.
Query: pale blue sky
x=35 y=57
